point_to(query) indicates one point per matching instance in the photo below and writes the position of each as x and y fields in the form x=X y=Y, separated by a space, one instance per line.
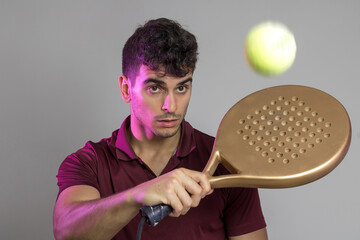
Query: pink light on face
x=158 y=103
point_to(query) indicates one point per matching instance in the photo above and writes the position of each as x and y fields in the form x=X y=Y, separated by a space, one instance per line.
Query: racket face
x=282 y=136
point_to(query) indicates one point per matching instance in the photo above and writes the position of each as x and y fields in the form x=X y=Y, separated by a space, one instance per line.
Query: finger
x=184 y=197
x=201 y=179
x=185 y=179
x=176 y=205
x=178 y=197
x=193 y=188
x=195 y=200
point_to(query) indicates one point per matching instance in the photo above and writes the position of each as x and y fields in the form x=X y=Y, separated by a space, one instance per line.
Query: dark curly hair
x=160 y=43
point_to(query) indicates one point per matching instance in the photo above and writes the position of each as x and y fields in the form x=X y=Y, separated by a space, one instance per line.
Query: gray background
x=59 y=64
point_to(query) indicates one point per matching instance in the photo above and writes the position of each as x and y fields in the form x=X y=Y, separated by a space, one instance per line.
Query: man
x=155 y=157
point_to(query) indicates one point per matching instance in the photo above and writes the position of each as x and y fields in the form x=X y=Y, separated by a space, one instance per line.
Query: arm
x=80 y=213
x=260 y=234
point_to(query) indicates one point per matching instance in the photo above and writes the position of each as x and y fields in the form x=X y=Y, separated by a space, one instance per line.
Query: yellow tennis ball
x=270 y=48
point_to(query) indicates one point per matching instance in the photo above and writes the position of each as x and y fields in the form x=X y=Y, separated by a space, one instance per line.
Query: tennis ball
x=270 y=48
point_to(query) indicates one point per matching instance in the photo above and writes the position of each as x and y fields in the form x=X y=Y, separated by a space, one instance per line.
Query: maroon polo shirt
x=111 y=166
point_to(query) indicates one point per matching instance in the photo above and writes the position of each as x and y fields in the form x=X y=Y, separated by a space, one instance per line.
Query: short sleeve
x=78 y=169
x=243 y=212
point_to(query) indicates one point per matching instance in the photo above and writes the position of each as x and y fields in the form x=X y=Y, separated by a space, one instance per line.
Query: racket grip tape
x=154 y=214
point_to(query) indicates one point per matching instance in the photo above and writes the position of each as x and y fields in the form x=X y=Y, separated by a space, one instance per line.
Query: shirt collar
x=125 y=152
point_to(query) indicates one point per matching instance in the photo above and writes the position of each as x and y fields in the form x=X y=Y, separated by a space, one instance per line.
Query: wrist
x=125 y=205
x=134 y=197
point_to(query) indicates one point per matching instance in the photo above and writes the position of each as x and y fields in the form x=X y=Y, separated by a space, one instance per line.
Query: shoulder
x=203 y=142
x=91 y=152
x=82 y=167
x=192 y=138
x=203 y=137
x=105 y=145
x=197 y=135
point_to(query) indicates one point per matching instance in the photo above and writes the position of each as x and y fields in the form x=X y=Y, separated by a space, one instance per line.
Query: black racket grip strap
x=154 y=214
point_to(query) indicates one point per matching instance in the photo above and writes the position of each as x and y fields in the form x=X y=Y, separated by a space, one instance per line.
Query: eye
x=154 y=89
x=181 y=89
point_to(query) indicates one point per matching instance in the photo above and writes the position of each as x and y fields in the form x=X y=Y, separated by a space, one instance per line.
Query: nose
x=169 y=104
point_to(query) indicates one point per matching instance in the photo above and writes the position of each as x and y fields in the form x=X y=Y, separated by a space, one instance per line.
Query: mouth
x=168 y=119
x=168 y=123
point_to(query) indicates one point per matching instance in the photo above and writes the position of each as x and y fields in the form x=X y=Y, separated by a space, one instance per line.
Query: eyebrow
x=160 y=82
x=185 y=81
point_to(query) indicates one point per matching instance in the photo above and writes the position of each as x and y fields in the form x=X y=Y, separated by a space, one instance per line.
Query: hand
x=181 y=189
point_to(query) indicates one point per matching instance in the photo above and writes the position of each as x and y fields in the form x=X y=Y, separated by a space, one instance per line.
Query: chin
x=167 y=133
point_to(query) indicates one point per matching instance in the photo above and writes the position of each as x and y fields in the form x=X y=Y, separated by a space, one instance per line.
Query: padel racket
x=279 y=137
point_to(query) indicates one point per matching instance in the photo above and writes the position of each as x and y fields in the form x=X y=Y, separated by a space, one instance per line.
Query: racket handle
x=154 y=214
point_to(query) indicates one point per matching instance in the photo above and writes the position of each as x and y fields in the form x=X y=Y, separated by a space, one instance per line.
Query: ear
x=125 y=86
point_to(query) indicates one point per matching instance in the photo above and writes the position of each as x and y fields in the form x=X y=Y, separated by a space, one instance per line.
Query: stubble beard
x=159 y=133
x=167 y=134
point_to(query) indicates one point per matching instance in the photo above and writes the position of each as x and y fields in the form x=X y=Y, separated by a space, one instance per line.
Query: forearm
x=94 y=219
x=78 y=217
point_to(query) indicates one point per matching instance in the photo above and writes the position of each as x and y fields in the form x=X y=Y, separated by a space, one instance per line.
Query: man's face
x=158 y=102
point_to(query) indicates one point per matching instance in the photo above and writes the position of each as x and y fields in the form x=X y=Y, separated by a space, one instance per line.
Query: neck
x=143 y=143
x=155 y=151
